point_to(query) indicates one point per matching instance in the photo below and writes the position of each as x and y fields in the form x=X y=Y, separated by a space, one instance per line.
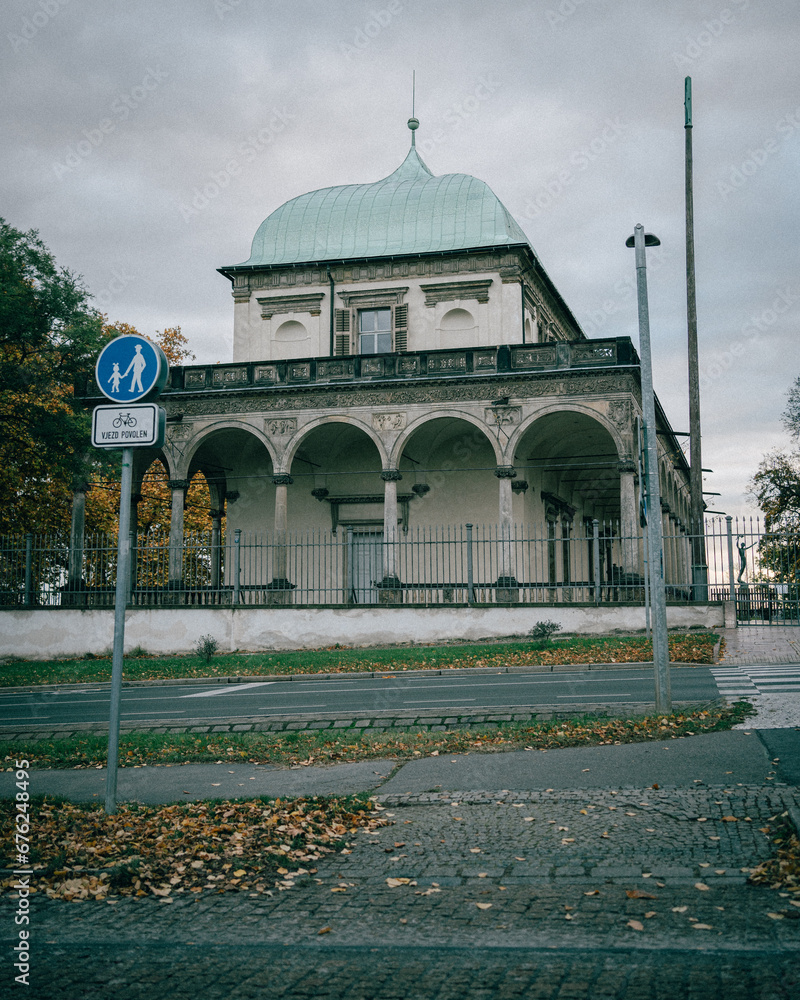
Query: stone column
x=507 y=589
x=631 y=551
x=669 y=547
x=280 y=585
x=551 y=517
x=390 y=586
x=566 y=569
x=136 y=499
x=178 y=488
x=216 y=552
x=75 y=580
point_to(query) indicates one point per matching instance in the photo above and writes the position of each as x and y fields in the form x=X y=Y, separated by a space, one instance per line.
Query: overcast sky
x=147 y=139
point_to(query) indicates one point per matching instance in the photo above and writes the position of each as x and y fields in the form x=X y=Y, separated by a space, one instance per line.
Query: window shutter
x=342 y=327
x=401 y=328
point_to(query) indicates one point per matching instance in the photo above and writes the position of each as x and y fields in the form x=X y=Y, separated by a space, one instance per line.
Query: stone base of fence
x=38 y=634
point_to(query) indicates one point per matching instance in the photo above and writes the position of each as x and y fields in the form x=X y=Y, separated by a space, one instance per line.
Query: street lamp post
x=658 y=600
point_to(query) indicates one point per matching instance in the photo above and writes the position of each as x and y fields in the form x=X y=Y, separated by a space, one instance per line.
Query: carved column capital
x=282 y=480
x=391 y=475
x=320 y=493
x=520 y=486
x=505 y=472
x=626 y=465
x=420 y=489
x=178 y=484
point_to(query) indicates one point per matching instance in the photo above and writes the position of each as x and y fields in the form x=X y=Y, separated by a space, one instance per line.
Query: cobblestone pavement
x=564 y=895
x=756 y=644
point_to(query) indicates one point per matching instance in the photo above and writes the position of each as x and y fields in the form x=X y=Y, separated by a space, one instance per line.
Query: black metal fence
x=557 y=563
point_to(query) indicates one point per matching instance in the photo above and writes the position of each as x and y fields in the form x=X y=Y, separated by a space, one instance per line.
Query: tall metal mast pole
x=699 y=567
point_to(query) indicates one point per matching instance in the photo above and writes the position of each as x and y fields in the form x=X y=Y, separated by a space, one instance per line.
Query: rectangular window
x=375 y=331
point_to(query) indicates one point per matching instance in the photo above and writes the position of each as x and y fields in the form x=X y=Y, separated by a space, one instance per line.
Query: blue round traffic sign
x=130 y=369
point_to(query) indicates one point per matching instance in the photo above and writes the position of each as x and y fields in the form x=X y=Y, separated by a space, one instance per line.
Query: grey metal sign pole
x=131 y=423
x=658 y=599
x=120 y=604
x=698 y=543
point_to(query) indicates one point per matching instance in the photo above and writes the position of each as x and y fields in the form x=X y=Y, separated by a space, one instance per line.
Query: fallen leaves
x=635 y=925
x=639 y=894
x=783 y=870
x=253 y=845
x=702 y=886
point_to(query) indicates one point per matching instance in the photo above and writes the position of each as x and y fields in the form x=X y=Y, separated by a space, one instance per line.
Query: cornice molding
x=452 y=291
x=272 y=305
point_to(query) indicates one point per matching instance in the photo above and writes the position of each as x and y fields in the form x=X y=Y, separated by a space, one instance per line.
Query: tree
x=791 y=415
x=49 y=336
x=776 y=489
x=173 y=343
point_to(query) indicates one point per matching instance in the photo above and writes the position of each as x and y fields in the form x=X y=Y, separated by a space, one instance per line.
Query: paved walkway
x=760 y=644
x=569 y=876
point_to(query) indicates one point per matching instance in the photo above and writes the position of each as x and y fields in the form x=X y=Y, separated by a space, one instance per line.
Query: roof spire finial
x=413 y=122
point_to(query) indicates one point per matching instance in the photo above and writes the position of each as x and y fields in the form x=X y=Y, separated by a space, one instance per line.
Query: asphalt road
x=358 y=693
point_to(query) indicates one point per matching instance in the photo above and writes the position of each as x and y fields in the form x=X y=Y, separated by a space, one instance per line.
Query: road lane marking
x=605 y=694
x=228 y=689
x=440 y=701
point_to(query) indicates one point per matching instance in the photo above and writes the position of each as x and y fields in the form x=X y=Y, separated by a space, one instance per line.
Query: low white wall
x=42 y=634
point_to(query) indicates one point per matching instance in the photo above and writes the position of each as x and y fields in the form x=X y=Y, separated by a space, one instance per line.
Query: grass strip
x=684 y=648
x=349 y=745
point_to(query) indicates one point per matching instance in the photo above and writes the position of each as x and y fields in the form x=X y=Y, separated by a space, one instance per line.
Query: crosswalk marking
x=757 y=679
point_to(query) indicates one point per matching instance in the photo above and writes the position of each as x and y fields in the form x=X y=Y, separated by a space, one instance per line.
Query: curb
x=443 y=719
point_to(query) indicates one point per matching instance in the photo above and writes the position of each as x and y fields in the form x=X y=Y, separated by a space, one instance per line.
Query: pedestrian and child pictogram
x=130 y=369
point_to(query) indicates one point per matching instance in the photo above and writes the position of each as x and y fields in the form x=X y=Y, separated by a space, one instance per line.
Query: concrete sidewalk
x=737 y=758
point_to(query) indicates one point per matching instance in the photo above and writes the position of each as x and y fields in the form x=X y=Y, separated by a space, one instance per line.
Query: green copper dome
x=408 y=212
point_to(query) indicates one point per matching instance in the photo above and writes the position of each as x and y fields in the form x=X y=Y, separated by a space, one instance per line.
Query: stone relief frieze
x=501 y=416
x=620 y=412
x=224 y=377
x=407 y=394
x=388 y=421
x=278 y=426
